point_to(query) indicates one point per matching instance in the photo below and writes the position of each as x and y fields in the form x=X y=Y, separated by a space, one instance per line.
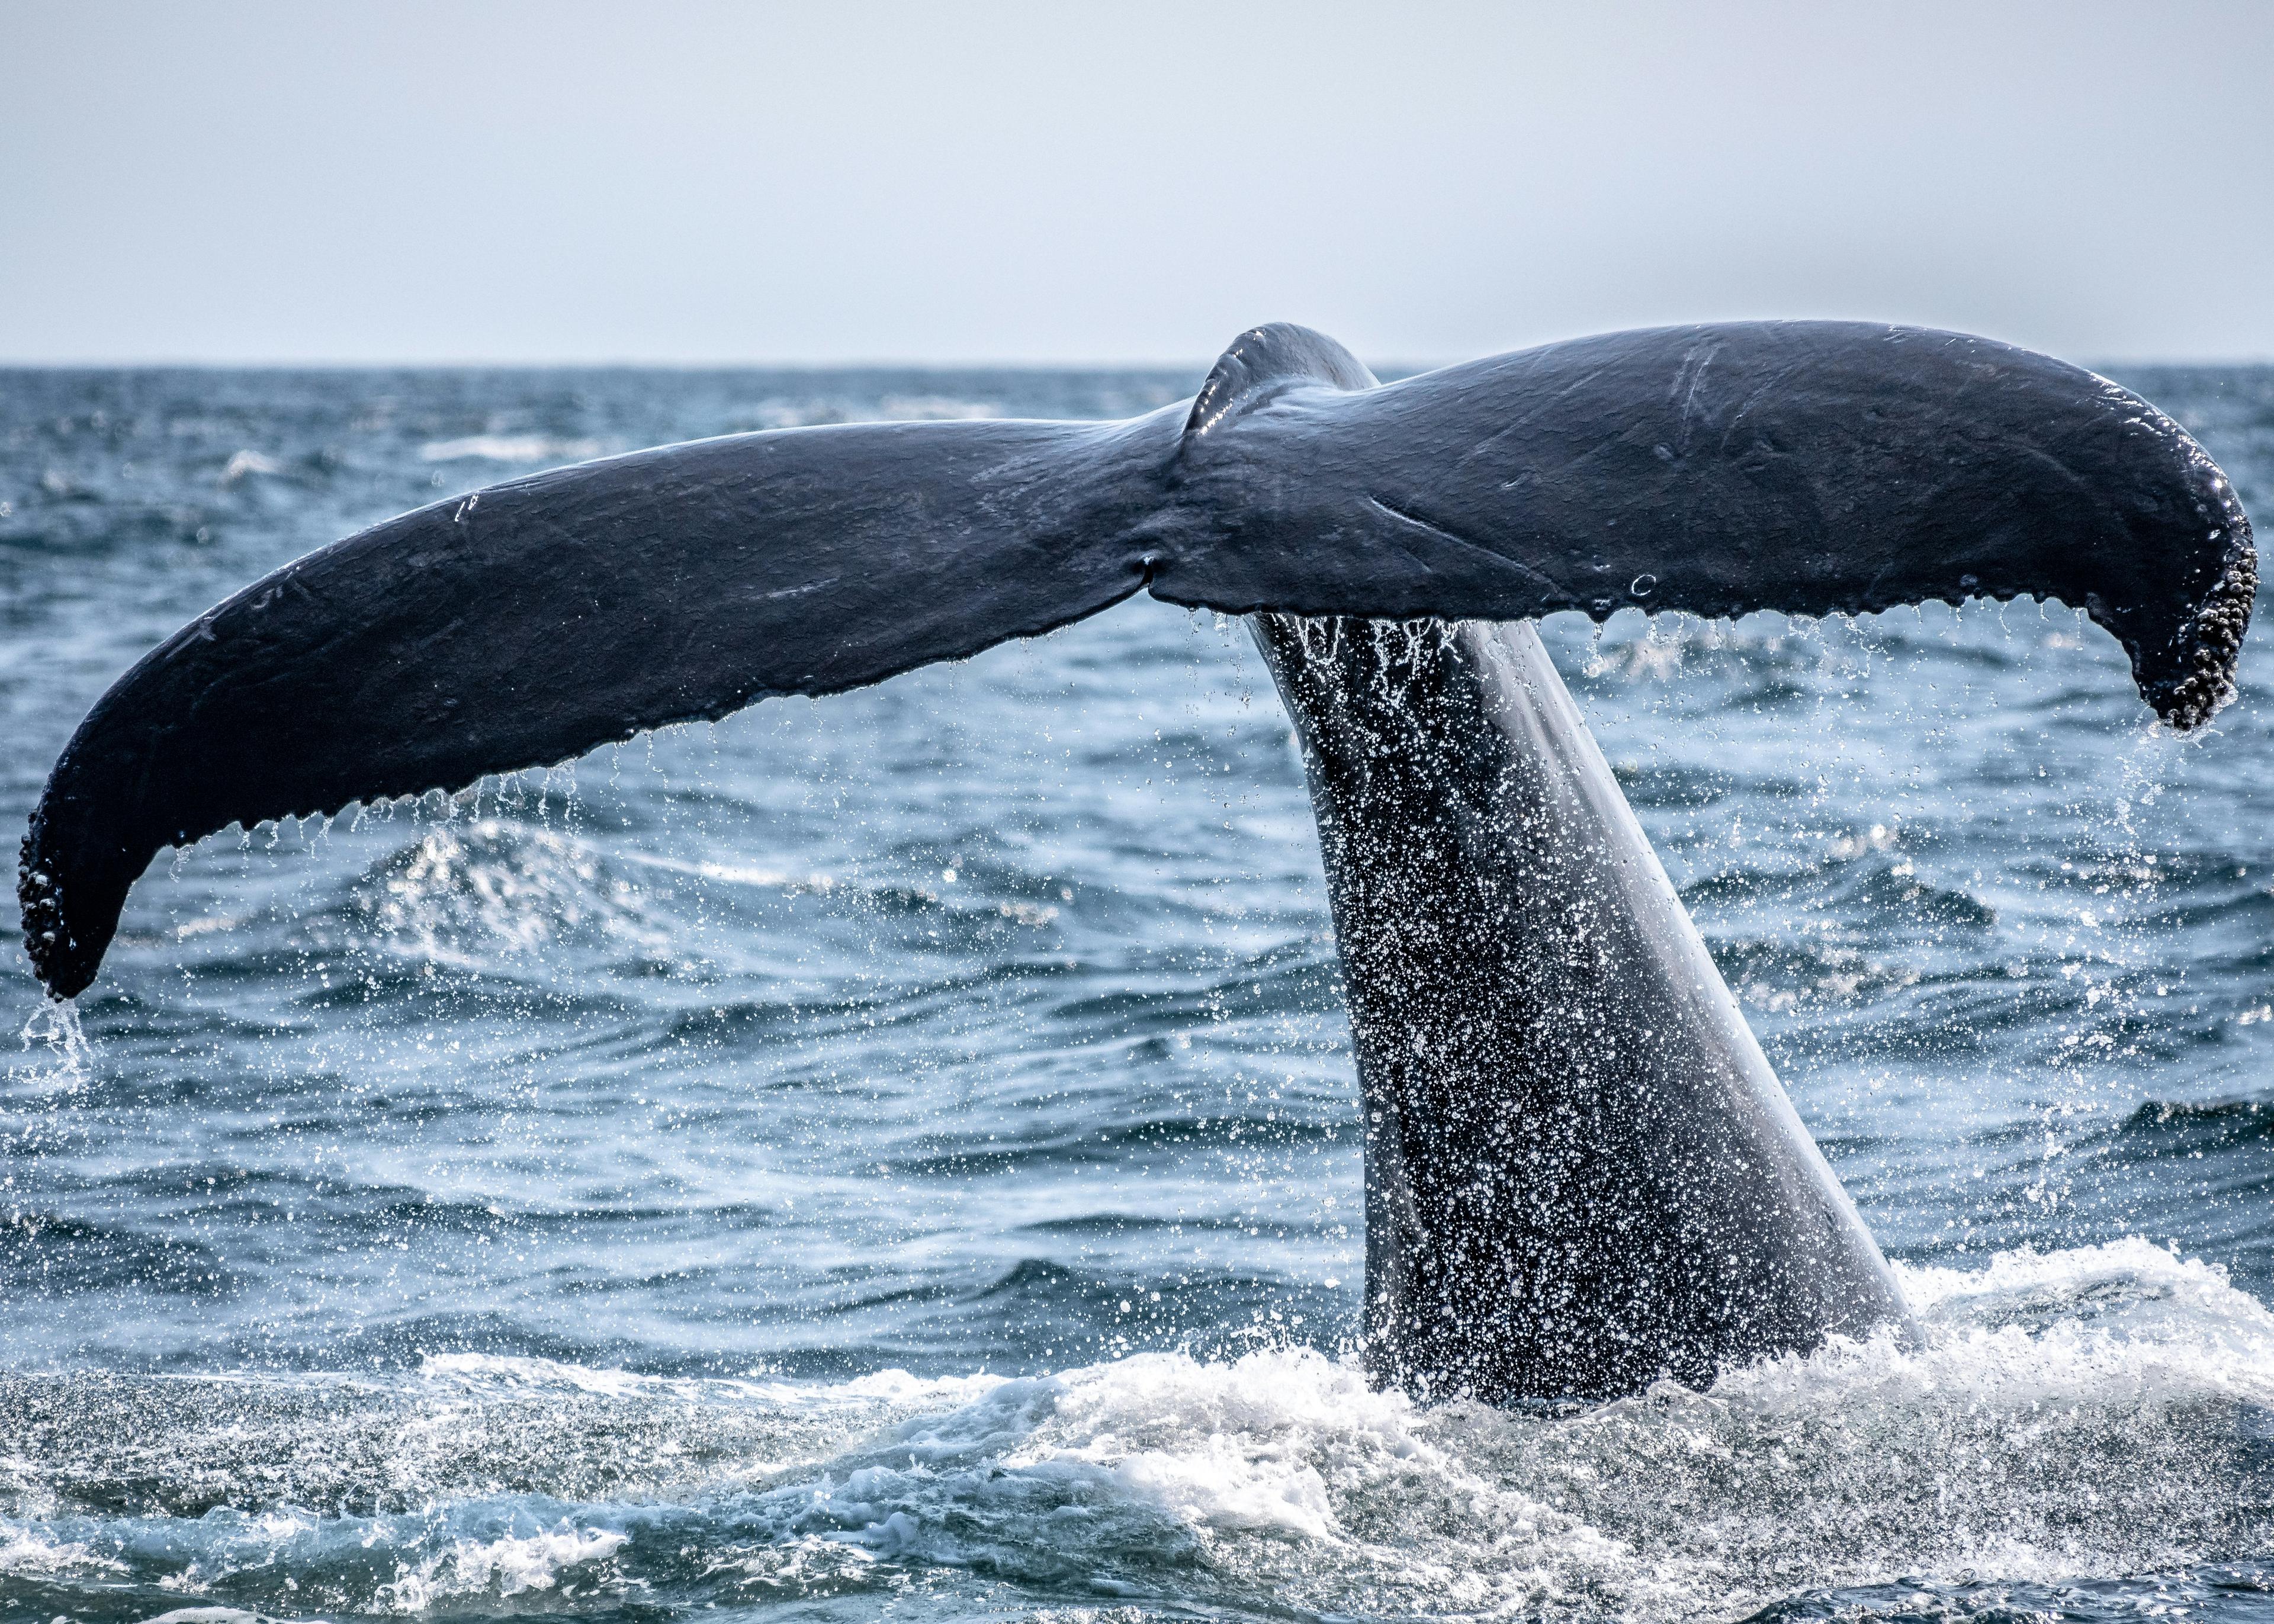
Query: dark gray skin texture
x=1581 y=1171
x=1811 y=466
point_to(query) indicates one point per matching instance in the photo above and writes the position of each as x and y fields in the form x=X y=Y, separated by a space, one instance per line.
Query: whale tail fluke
x=1806 y=466
x=532 y=622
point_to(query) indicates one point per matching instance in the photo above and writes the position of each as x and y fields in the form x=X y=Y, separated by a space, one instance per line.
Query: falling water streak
x=54 y=1027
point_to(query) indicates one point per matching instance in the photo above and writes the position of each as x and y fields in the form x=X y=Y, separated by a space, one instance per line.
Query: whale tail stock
x=1581 y=1172
x=1806 y=466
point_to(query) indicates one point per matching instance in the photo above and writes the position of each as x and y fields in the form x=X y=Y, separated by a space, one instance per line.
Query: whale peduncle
x=1582 y=1173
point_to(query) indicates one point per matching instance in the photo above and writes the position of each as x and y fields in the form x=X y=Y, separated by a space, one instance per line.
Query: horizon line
x=618 y=364
x=1403 y=367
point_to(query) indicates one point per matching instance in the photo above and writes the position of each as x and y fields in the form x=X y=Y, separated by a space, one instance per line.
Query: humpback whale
x=1582 y=1173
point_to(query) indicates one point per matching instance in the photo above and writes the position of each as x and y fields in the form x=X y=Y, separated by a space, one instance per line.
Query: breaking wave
x=2067 y=1418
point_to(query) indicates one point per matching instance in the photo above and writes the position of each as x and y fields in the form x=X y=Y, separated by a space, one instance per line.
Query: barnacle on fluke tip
x=44 y=937
x=2210 y=644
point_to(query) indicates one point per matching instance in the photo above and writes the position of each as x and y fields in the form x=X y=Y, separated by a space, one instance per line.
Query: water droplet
x=1640 y=585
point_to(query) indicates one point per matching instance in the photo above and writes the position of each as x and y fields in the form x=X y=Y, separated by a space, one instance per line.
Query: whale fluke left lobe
x=530 y=623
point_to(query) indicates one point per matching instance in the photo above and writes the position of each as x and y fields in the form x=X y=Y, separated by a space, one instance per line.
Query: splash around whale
x=1582 y=1173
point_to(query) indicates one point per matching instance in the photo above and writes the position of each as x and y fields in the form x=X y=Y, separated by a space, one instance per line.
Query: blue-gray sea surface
x=897 y=1154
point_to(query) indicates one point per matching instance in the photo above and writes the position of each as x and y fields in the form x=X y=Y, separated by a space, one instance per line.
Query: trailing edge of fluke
x=1810 y=467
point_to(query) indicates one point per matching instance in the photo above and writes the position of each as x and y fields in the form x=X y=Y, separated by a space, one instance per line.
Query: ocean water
x=896 y=1155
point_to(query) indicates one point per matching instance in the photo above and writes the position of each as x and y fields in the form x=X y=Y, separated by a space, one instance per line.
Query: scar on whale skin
x=1581 y=1171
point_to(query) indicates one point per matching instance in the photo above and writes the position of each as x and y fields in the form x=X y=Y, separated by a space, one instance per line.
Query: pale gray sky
x=692 y=182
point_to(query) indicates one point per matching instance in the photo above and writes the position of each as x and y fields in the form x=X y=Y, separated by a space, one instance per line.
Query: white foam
x=31 y=1553
x=511 y=1566
x=936 y=408
x=505 y=1370
x=1243 y=1446
x=763 y=879
x=2065 y=1416
x=2078 y=1414
x=246 y=463
x=893 y=1388
x=509 y=448
x=2131 y=1270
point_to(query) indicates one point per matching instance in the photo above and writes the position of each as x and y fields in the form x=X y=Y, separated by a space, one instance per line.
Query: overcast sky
x=729 y=183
